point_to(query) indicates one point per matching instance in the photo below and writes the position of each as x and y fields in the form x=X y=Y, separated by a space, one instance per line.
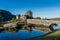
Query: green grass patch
x=51 y=36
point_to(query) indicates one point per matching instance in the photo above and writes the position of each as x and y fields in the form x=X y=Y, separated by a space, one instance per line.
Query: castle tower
x=29 y=14
x=18 y=16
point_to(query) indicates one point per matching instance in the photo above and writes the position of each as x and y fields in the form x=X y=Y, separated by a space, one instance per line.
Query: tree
x=45 y=18
x=0 y=18
x=13 y=20
x=38 y=18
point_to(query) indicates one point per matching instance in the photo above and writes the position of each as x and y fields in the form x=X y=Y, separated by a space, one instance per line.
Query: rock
x=9 y=25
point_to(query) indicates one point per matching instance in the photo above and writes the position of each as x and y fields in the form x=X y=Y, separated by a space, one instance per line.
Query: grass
x=51 y=36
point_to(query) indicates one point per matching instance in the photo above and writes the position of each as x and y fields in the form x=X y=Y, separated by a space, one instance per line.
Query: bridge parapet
x=44 y=22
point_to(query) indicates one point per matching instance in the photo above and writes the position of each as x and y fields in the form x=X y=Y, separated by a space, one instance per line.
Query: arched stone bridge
x=44 y=22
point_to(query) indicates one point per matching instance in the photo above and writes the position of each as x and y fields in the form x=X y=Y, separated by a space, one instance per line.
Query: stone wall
x=44 y=22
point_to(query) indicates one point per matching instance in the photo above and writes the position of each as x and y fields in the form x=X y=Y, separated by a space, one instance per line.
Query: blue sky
x=41 y=8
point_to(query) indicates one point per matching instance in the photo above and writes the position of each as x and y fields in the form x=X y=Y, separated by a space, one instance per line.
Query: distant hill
x=6 y=15
x=51 y=36
x=55 y=19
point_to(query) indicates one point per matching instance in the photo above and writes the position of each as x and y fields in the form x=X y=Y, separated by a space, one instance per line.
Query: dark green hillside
x=6 y=15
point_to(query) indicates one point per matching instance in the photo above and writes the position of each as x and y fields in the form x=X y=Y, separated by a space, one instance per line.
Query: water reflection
x=20 y=35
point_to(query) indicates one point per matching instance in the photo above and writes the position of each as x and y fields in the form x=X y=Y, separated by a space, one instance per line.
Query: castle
x=28 y=15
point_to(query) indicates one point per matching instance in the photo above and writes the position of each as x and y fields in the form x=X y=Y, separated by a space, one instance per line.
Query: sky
x=40 y=8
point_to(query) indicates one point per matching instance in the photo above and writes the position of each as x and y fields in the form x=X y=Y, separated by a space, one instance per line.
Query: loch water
x=20 y=35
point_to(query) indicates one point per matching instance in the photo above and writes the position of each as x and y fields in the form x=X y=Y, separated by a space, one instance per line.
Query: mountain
x=6 y=15
x=55 y=19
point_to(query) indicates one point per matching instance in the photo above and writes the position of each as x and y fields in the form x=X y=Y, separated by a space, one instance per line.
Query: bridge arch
x=51 y=26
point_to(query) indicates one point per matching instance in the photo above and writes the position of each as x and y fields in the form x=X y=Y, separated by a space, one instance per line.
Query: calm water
x=20 y=35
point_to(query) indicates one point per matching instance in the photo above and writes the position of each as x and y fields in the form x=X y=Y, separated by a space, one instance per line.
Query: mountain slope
x=6 y=15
